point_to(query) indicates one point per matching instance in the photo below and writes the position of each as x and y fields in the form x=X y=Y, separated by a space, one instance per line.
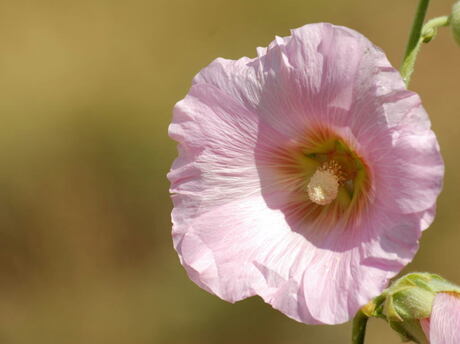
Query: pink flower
x=443 y=326
x=305 y=175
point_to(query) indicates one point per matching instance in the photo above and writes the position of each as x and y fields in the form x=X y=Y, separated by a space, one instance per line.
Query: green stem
x=413 y=45
x=359 y=328
x=417 y=26
x=420 y=34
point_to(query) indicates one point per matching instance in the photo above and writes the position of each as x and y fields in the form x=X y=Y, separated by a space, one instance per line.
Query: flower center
x=324 y=184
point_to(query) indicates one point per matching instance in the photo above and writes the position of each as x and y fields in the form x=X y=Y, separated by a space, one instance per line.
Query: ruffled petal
x=217 y=137
x=247 y=249
x=239 y=79
x=445 y=320
x=410 y=179
x=244 y=248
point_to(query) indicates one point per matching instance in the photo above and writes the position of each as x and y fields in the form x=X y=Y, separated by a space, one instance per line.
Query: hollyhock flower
x=305 y=175
x=443 y=326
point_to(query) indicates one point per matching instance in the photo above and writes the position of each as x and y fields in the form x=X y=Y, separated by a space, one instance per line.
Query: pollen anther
x=324 y=185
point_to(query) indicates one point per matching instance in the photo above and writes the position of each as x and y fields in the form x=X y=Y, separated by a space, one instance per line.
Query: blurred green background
x=86 y=92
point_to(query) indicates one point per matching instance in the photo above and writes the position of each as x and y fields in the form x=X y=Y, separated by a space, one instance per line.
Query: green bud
x=408 y=300
x=455 y=21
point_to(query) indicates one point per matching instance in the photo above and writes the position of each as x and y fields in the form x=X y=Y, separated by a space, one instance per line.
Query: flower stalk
x=359 y=328
x=420 y=34
x=414 y=43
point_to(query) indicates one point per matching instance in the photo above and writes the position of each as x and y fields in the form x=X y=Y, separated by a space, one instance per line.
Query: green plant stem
x=417 y=26
x=359 y=328
x=413 y=45
x=420 y=34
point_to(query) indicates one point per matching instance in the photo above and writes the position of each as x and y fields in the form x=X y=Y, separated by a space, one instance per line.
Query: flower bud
x=407 y=305
x=455 y=21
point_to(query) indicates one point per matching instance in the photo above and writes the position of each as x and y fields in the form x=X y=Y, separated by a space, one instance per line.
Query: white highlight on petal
x=323 y=186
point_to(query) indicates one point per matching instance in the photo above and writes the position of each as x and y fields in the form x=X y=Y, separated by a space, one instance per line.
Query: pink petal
x=244 y=248
x=217 y=151
x=411 y=177
x=425 y=323
x=445 y=320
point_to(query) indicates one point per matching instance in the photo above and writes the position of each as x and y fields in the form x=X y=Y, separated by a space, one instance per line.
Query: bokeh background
x=86 y=91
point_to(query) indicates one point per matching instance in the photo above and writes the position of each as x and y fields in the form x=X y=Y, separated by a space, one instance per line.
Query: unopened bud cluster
x=407 y=301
